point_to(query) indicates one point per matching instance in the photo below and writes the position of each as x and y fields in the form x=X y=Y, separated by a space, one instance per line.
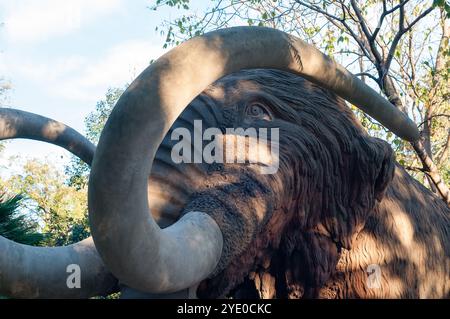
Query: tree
x=77 y=170
x=16 y=226
x=62 y=209
x=57 y=199
x=382 y=42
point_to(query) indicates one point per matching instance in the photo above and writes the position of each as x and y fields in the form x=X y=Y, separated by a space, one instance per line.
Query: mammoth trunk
x=201 y=143
x=172 y=182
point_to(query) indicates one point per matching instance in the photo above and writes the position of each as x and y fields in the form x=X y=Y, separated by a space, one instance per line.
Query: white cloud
x=32 y=20
x=83 y=78
x=120 y=65
x=30 y=69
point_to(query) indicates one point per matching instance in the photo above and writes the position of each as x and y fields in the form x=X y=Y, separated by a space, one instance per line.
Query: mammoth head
x=326 y=180
x=329 y=173
x=327 y=168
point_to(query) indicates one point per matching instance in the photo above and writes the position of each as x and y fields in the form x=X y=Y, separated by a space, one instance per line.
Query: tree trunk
x=432 y=171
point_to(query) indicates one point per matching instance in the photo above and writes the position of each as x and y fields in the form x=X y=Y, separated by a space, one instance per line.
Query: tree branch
x=431 y=117
x=384 y=14
x=368 y=45
x=444 y=152
x=369 y=37
x=431 y=170
x=361 y=19
x=400 y=33
x=334 y=19
x=414 y=168
x=368 y=75
x=421 y=16
x=317 y=9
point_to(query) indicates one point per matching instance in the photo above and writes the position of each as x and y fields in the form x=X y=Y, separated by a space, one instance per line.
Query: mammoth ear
x=386 y=168
x=376 y=164
x=368 y=174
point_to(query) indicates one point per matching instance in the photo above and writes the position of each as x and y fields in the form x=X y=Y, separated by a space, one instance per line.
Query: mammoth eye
x=258 y=111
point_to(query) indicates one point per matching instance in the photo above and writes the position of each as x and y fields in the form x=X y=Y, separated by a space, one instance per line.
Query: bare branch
x=421 y=16
x=335 y=20
x=414 y=168
x=401 y=20
x=317 y=9
x=361 y=19
x=352 y=52
x=444 y=152
x=369 y=37
x=400 y=33
x=431 y=170
x=401 y=4
x=368 y=75
x=347 y=10
x=433 y=116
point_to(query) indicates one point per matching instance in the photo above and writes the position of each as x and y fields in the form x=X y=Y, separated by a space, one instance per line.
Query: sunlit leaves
x=46 y=196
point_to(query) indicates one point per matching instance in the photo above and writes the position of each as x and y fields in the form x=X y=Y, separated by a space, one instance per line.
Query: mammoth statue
x=336 y=218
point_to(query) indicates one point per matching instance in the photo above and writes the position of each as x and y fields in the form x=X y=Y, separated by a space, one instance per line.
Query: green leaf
x=438 y=3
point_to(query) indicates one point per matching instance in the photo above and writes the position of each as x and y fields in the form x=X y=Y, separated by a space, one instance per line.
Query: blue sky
x=61 y=57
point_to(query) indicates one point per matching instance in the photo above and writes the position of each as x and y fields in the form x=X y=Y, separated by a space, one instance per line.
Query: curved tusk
x=47 y=272
x=132 y=245
x=41 y=272
x=20 y=124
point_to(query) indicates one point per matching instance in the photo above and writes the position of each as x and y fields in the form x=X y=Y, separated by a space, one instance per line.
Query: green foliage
x=115 y=295
x=445 y=5
x=78 y=171
x=174 y=3
x=66 y=230
x=61 y=208
x=96 y=120
x=16 y=226
x=58 y=200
